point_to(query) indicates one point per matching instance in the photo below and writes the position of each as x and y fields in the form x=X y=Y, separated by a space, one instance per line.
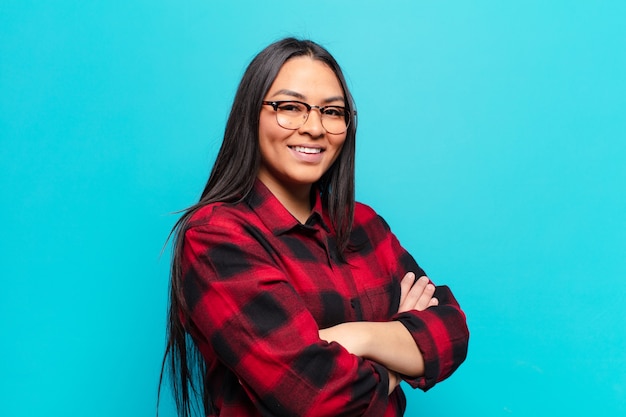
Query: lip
x=310 y=158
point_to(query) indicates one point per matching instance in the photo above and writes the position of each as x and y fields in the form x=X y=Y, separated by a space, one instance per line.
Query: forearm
x=388 y=343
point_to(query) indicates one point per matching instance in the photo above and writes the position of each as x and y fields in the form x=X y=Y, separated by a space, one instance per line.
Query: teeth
x=307 y=150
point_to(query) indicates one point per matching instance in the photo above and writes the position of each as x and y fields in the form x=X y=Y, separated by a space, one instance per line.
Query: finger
x=433 y=302
x=413 y=296
x=405 y=286
x=425 y=298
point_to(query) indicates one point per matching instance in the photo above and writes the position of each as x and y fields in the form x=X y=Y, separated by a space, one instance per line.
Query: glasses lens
x=292 y=115
x=334 y=119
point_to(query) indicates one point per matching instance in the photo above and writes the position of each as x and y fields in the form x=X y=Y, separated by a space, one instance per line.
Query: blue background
x=491 y=137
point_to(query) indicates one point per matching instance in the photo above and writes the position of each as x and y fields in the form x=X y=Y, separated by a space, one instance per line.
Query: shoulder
x=227 y=230
x=221 y=215
x=368 y=227
x=363 y=209
x=366 y=216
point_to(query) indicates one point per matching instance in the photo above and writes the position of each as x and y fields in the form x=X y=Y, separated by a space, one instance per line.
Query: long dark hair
x=231 y=179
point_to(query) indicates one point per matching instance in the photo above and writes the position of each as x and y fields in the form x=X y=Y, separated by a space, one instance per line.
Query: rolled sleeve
x=442 y=336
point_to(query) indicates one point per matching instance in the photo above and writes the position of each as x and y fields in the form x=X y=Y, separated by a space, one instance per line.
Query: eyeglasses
x=293 y=114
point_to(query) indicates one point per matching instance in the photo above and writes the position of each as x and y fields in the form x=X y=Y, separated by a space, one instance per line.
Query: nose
x=313 y=124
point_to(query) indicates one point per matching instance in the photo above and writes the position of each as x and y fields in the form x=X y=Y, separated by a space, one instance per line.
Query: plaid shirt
x=259 y=285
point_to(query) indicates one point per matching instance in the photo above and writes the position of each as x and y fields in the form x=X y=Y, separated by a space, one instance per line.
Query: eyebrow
x=301 y=97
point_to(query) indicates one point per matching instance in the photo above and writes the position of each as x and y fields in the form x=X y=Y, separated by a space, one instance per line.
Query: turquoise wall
x=492 y=136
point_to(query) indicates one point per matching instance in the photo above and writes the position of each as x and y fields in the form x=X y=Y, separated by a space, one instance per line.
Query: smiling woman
x=288 y=298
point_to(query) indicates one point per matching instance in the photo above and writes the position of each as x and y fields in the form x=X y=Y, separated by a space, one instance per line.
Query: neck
x=296 y=199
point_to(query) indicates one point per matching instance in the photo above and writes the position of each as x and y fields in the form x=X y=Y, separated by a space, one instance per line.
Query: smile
x=306 y=150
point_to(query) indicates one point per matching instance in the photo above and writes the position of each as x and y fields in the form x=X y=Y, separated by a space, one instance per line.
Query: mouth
x=304 y=149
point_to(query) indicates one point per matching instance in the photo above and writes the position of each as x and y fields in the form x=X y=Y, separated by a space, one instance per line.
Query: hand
x=416 y=295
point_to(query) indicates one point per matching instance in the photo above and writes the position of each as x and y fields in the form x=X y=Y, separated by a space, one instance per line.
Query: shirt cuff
x=441 y=334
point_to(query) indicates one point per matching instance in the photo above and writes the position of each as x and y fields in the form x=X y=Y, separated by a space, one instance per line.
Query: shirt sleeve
x=243 y=307
x=440 y=332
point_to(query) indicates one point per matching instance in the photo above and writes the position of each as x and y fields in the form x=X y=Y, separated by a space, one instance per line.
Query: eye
x=334 y=112
x=291 y=107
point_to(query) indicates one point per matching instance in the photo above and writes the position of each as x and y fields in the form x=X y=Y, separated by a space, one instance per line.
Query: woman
x=287 y=297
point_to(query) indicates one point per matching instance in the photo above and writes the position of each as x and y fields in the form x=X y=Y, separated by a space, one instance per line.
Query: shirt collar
x=276 y=217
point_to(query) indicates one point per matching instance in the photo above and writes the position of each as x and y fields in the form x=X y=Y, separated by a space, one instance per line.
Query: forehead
x=308 y=77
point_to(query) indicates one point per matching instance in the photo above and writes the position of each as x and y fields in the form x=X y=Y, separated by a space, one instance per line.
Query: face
x=292 y=160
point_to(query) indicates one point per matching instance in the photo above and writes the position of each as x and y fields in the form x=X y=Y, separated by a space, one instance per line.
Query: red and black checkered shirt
x=259 y=285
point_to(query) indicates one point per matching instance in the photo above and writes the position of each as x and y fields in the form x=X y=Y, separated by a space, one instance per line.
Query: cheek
x=270 y=132
x=338 y=144
x=265 y=130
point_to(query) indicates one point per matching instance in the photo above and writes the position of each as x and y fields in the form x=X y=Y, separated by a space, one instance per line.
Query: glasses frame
x=348 y=114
